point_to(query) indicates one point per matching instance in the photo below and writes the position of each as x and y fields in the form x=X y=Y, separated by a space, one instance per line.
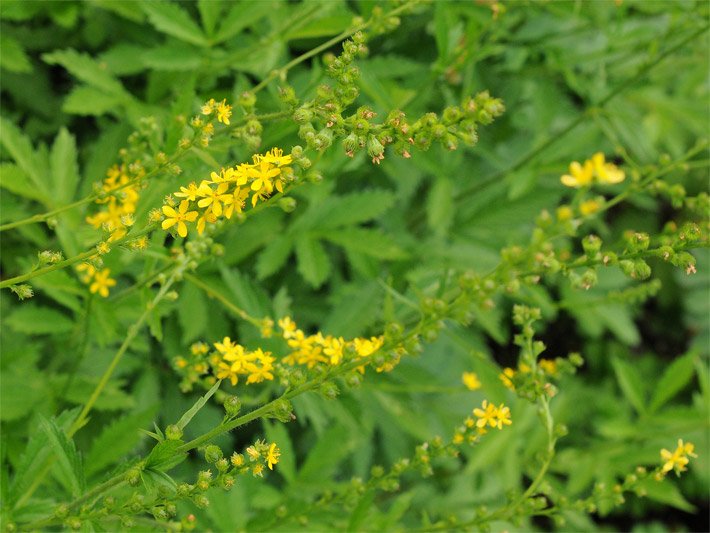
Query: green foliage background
x=77 y=78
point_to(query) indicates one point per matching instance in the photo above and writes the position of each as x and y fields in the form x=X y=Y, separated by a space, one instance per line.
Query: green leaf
x=112 y=398
x=352 y=208
x=173 y=57
x=116 y=440
x=273 y=257
x=667 y=493
x=673 y=380
x=164 y=455
x=440 y=208
x=15 y=180
x=125 y=8
x=240 y=16
x=199 y=404
x=631 y=384
x=192 y=312
x=170 y=18
x=324 y=457
x=313 y=262
x=20 y=149
x=84 y=100
x=20 y=392
x=70 y=471
x=210 y=13
x=65 y=170
x=33 y=458
x=370 y=242
x=353 y=311
x=13 y=57
x=248 y=294
x=87 y=69
x=39 y=320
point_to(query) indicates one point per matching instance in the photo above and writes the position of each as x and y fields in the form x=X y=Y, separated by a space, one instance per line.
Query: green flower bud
x=222 y=465
x=201 y=501
x=591 y=245
x=283 y=411
x=329 y=390
x=22 y=291
x=232 y=406
x=287 y=204
x=213 y=453
x=133 y=476
x=173 y=432
x=302 y=115
x=638 y=242
x=377 y=471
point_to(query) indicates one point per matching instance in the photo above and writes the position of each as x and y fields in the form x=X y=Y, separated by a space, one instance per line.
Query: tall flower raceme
x=119 y=198
x=230 y=360
x=226 y=192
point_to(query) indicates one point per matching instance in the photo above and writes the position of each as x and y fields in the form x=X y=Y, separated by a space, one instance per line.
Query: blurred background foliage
x=77 y=79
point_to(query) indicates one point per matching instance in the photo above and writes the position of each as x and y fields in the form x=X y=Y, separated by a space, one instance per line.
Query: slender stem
x=73 y=260
x=130 y=335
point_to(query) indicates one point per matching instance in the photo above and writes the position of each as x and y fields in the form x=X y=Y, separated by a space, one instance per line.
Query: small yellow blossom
x=188 y=193
x=257 y=470
x=102 y=282
x=507 y=378
x=486 y=415
x=229 y=371
x=458 y=438
x=224 y=111
x=253 y=453
x=237 y=459
x=288 y=327
x=579 y=175
x=365 y=347
x=677 y=460
x=548 y=366
x=87 y=271
x=103 y=248
x=209 y=106
x=589 y=207
x=564 y=213
x=179 y=217
x=471 y=381
x=503 y=416
x=606 y=172
x=272 y=457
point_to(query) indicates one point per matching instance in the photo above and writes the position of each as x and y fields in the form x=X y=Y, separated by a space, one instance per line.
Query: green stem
x=130 y=335
x=213 y=293
x=73 y=260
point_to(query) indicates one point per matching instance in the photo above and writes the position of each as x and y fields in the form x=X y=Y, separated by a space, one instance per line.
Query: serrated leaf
x=164 y=455
x=20 y=392
x=324 y=457
x=112 y=398
x=85 y=100
x=630 y=383
x=370 y=242
x=20 y=149
x=353 y=312
x=440 y=208
x=273 y=257
x=352 y=209
x=199 y=404
x=39 y=320
x=170 y=18
x=71 y=473
x=192 y=312
x=673 y=380
x=65 y=170
x=248 y=294
x=240 y=16
x=210 y=13
x=125 y=8
x=313 y=262
x=116 y=440
x=13 y=57
x=33 y=458
x=173 y=57
x=15 y=180
x=87 y=69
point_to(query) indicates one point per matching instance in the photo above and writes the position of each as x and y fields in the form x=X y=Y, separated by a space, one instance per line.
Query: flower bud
x=173 y=432
x=232 y=406
x=212 y=453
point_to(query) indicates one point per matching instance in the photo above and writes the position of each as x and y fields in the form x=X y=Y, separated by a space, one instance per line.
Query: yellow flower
x=275 y=156
x=237 y=459
x=229 y=371
x=179 y=217
x=502 y=417
x=87 y=271
x=208 y=107
x=579 y=175
x=589 y=207
x=288 y=327
x=507 y=378
x=365 y=347
x=102 y=282
x=458 y=438
x=564 y=213
x=487 y=415
x=224 y=111
x=470 y=379
x=272 y=457
x=677 y=460
x=214 y=197
x=606 y=172
x=253 y=453
x=189 y=192
x=257 y=469
x=548 y=366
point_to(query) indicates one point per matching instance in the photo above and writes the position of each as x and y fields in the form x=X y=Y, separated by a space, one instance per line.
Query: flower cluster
x=222 y=110
x=471 y=381
x=594 y=169
x=98 y=280
x=228 y=360
x=486 y=416
x=510 y=376
x=311 y=350
x=225 y=193
x=259 y=454
x=119 y=195
x=677 y=460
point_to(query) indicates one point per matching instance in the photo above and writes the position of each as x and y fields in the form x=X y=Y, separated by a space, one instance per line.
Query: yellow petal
x=182 y=229
x=168 y=222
